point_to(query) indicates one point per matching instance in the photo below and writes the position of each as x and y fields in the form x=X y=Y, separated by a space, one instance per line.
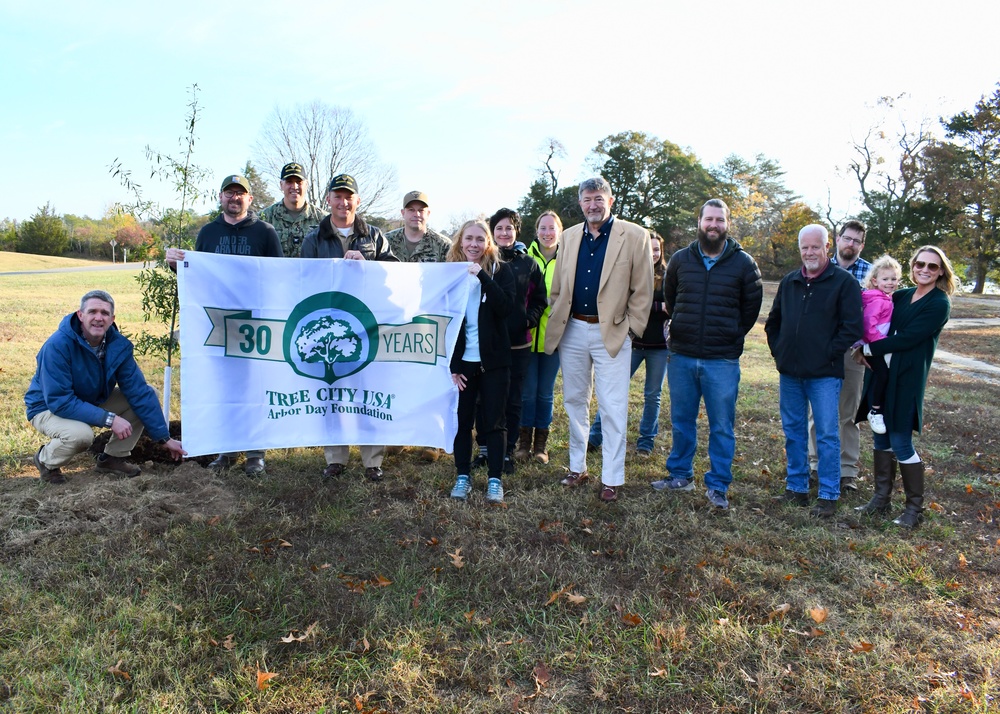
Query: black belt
x=592 y=319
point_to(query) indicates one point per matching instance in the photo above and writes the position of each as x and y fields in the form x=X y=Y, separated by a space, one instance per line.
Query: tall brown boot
x=523 y=452
x=913 y=485
x=884 y=474
x=541 y=438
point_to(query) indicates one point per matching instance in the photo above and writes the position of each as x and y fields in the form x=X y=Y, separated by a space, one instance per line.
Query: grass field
x=181 y=591
x=27 y=261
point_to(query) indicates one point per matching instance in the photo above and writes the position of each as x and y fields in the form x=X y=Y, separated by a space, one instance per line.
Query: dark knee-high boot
x=913 y=485
x=884 y=474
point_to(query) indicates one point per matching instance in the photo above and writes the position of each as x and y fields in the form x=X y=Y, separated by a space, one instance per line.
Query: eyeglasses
x=920 y=265
x=229 y=193
x=855 y=241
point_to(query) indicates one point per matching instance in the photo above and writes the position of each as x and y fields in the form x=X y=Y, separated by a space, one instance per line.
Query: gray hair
x=814 y=228
x=98 y=295
x=595 y=184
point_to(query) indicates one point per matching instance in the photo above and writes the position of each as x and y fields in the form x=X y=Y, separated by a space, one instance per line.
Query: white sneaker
x=876 y=422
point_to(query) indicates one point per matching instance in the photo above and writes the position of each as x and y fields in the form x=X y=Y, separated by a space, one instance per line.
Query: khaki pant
x=70 y=437
x=850 y=434
x=371 y=456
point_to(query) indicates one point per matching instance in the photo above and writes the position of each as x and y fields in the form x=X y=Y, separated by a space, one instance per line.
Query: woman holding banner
x=480 y=366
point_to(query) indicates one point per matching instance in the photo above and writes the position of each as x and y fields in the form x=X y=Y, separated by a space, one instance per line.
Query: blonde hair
x=491 y=256
x=883 y=263
x=552 y=213
x=946 y=281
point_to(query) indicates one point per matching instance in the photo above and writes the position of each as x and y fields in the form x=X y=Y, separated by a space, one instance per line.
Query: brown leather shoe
x=373 y=473
x=48 y=475
x=608 y=494
x=118 y=465
x=333 y=471
x=574 y=479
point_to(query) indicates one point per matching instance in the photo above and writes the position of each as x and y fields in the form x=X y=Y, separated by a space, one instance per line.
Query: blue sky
x=460 y=97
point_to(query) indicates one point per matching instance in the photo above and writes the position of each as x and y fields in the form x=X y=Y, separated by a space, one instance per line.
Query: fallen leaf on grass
x=416 y=598
x=557 y=594
x=631 y=619
x=779 y=611
x=116 y=670
x=381 y=582
x=818 y=614
x=541 y=674
x=862 y=647
x=815 y=632
x=469 y=614
x=658 y=673
x=935 y=506
x=456 y=558
x=229 y=643
x=292 y=637
x=575 y=599
x=962 y=562
x=723 y=621
x=432 y=542
x=214 y=520
x=317 y=568
x=263 y=678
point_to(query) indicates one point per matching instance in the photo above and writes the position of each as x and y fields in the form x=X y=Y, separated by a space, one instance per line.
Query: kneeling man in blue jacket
x=87 y=376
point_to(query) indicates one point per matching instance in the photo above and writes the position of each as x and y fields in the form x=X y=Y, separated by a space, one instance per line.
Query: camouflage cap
x=235 y=180
x=293 y=169
x=344 y=181
x=416 y=196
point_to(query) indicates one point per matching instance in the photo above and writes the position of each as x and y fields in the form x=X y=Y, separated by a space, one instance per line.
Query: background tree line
x=916 y=186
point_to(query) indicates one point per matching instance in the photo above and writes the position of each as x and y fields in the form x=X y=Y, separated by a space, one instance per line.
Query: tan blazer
x=625 y=293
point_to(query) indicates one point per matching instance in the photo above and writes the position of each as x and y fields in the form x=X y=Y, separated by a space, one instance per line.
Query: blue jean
x=717 y=381
x=649 y=427
x=537 y=389
x=796 y=395
x=898 y=442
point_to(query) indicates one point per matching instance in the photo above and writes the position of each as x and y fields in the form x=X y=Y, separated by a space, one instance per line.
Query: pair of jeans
x=898 y=442
x=537 y=390
x=649 y=426
x=796 y=395
x=717 y=382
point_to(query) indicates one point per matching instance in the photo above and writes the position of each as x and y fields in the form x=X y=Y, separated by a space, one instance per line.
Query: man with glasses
x=237 y=231
x=847 y=255
x=293 y=216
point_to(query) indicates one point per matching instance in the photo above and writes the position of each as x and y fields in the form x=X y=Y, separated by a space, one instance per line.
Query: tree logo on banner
x=330 y=336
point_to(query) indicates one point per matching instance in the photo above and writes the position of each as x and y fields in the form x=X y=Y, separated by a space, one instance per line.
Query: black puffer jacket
x=530 y=299
x=711 y=311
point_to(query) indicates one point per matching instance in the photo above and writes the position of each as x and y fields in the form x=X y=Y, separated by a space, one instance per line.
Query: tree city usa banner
x=286 y=352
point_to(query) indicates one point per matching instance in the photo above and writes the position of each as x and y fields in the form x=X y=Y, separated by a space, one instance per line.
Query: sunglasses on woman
x=920 y=265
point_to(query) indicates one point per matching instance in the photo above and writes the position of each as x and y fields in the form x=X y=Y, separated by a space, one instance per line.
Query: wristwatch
x=109 y=419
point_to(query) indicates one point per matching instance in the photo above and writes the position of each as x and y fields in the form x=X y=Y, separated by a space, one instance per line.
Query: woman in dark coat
x=480 y=365
x=919 y=314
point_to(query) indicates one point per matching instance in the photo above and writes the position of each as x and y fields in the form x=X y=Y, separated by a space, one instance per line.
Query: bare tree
x=554 y=150
x=327 y=140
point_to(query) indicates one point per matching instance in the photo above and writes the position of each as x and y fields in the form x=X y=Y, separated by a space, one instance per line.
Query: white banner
x=284 y=352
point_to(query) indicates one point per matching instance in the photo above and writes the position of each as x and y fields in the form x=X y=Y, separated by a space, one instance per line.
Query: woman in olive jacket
x=918 y=316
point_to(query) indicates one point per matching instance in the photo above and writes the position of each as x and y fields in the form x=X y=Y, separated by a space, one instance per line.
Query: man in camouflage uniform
x=415 y=242
x=293 y=216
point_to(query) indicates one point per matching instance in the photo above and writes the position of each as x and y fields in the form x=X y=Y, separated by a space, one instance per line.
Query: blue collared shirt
x=589 y=264
x=859 y=270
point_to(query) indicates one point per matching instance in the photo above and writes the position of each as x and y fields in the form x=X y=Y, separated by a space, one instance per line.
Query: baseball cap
x=293 y=169
x=416 y=196
x=344 y=181
x=236 y=180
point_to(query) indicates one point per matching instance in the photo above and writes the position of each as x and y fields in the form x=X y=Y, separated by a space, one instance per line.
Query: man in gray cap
x=345 y=234
x=293 y=216
x=237 y=231
x=415 y=242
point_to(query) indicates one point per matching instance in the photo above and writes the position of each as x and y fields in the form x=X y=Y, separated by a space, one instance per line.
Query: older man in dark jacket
x=713 y=294
x=816 y=316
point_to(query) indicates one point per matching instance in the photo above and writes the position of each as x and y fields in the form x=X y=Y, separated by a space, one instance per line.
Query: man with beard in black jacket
x=237 y=231
x=713 y=294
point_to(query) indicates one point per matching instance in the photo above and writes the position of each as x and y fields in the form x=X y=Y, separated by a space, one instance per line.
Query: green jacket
x=913 y=337
x=548 y=269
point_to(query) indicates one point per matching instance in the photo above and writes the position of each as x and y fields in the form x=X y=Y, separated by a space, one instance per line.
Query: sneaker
x=254 y=467
x=876 y=422
x=508 y=464
x=480 y=461
x=373 y=473
x=673 y=484
x=118 y=465
x=717 y=499
x=824 y=508
x=848 y=483
x=333 y=471
x=494 y=491
x=461 y=488
x=48 y=475
x=794 y=497
x=221 y=462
